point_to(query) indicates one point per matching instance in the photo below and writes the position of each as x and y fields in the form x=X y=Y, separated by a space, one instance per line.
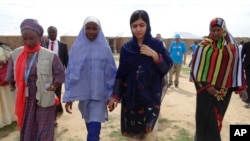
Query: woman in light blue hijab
x=90 y=76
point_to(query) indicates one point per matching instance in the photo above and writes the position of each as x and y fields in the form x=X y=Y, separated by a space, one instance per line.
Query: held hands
x=212 y=90
x=68 y=107
x=218 y=94
x=50 y=87
x=112 y=104
x=243 y=94
x=146 y=50
x=12 y=86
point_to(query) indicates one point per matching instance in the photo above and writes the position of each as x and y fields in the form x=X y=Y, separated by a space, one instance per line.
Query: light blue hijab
x=91 y=70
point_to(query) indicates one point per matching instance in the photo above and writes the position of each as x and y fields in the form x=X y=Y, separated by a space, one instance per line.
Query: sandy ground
x=177 y=114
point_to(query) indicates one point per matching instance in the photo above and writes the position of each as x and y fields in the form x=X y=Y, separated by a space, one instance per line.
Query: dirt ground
x=177 y=114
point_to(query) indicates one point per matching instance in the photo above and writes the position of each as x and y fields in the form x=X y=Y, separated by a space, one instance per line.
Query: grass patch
x=164 y=138
x=6 y=130
x=74 y=139
x=163 y=124
x=59 y=134
x=185 y=69
x=164 y=120
x=183 y=135
x=116 y=134
x=113 y=129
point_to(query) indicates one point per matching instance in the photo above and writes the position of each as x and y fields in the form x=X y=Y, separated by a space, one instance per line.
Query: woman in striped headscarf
x=217 y=73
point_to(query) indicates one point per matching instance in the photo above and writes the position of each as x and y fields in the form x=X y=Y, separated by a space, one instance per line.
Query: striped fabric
x=218 y=63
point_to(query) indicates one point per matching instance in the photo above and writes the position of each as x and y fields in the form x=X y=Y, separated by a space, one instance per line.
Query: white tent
x=165 y=35
x=187 y=35
x=124 y=33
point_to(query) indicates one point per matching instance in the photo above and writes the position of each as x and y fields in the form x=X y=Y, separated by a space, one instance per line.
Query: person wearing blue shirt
x=193 y=47
x=177 y=52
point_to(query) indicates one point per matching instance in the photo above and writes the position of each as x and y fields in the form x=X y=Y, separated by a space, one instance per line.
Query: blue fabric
x=142 y=75
x=141 y=80
x=91 y=68
x=94 y=129
x=193 y=47
x=177 y=50
x=140 y=70
x=93 y=110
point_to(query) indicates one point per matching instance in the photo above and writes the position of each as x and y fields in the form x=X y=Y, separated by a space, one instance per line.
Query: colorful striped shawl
x=218 y=63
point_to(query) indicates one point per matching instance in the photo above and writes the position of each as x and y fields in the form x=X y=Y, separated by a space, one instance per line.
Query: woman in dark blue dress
x=142 y=66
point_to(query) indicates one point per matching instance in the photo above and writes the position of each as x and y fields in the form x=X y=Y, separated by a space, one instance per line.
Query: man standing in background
x=158 y=36
x=61 y=50
x=193 y=47
x=165 y=80
x=7 y=97
x=177 y=50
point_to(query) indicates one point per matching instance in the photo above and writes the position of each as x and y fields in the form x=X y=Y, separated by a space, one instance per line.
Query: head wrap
x=92 y=19
x=221 y=23
x=218 y=22
x=33 y=25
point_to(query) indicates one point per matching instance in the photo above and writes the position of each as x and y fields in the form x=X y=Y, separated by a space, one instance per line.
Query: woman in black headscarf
x=143 y=64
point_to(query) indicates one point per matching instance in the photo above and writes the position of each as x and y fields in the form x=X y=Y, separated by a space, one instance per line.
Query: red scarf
x=20 y=82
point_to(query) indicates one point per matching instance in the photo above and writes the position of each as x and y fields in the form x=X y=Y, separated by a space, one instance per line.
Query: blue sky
x=167 y=16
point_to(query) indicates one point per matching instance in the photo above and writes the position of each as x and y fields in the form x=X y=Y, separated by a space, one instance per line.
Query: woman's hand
x=52 y=87
x=211 y=90
x=112 y=104
x=243 y=95
x=146 y=50
x=68 y=107
x=12 y=86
